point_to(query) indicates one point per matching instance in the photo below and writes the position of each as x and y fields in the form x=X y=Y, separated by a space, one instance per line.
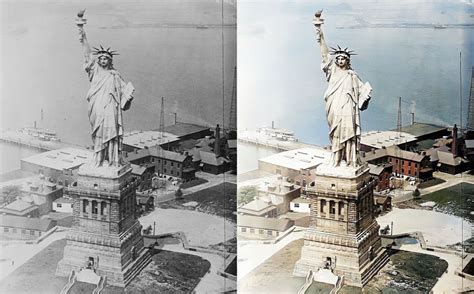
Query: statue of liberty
x=108 y=96
x=345 y=97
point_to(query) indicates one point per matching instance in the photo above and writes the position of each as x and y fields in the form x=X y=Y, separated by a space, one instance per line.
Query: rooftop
x=264 y=223
x=420 y=129
x=19 y=206
x=142 y=139
x=155 y=151
x=211 y=158
x=303 y=158
x=258 y=205
x=378 y=169
x=26 y=223
x=60 y=159
x=379 y=139
x=63 y=200
x=301 y=200
x=182 y=129
x=392 y=151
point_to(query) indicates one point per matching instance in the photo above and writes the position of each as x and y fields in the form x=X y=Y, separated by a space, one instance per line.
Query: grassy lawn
x=217 y=200
x=456 y=200
x=430 y=183
x=192 y=183
x=170 y=272
x=407 y=272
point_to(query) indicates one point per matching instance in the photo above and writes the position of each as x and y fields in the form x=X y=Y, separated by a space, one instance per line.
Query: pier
x=24 y=139
x=261 y=139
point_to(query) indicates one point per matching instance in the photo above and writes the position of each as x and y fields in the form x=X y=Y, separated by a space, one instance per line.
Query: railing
x=308 y=282
x=70 y=282
x=100 y=285
x=338 y=286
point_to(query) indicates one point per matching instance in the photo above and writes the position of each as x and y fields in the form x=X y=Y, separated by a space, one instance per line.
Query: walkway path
x=20 y=253
x=252 y=254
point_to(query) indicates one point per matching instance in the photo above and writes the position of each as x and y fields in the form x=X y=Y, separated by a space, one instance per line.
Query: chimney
x=136 y=150
x=217 y=143
x=273 y=124
x=412 y=118
x=454 y=145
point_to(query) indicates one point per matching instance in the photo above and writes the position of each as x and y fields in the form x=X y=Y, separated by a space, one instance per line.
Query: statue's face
x=104 y=61
x=341 y=61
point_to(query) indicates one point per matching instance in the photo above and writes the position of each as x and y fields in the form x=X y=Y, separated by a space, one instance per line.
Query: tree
x=246 y=194
x=416 y=194
x=178 y=194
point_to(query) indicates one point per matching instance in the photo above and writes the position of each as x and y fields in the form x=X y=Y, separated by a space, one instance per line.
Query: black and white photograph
x=118 y=146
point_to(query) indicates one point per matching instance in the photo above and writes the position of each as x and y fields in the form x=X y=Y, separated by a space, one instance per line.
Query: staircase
x=142 y=261
x=307 y=284
x=380 y=262
x=100 y=285
x=338 y=286
x=69 y=284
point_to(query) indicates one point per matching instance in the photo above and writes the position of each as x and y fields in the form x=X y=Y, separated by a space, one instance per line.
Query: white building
x=63 y=204
x=300 y=204
x=291 y=163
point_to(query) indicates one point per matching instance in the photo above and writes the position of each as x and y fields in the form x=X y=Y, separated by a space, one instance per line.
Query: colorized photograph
x=355 y=144
x=118 y=142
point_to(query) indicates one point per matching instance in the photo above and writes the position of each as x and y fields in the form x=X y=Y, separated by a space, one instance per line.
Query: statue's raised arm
x=80 y=22
x=318 y=21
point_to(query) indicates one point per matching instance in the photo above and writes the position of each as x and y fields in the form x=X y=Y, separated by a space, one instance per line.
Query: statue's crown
x=339 y=51
x=101 y=51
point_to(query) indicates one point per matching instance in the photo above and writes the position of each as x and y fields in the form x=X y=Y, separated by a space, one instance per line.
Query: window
x=23 y=232
x=166 y=162
x=409 y=163
x=323 y=205
x=341 y=208
x=95 y=209
x=172 y=172
x=85 y=205
x=32 y=233
x=172 y=163
x=164 y=171
x=5 y=230
x=297 y=205
x=178 y=165
x=252 y=230
x=177 y=173
x=260 y=231
x=244 y=230
x=59 y=205
x=269 y=233
x=332 y=207
x=103 y=208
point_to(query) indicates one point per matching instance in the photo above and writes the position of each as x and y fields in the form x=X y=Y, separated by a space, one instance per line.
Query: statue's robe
x=345 y=96
x=107 y=96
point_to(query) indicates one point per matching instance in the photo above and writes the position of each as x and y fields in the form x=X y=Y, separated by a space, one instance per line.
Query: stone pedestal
x=343 y=234
x=105 y=235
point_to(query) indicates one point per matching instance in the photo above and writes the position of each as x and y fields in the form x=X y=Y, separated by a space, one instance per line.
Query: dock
x=24 y=139
x=261 y=139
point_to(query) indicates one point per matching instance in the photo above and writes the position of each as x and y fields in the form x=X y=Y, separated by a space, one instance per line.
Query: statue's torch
x=317 y=22
x=80 y=20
